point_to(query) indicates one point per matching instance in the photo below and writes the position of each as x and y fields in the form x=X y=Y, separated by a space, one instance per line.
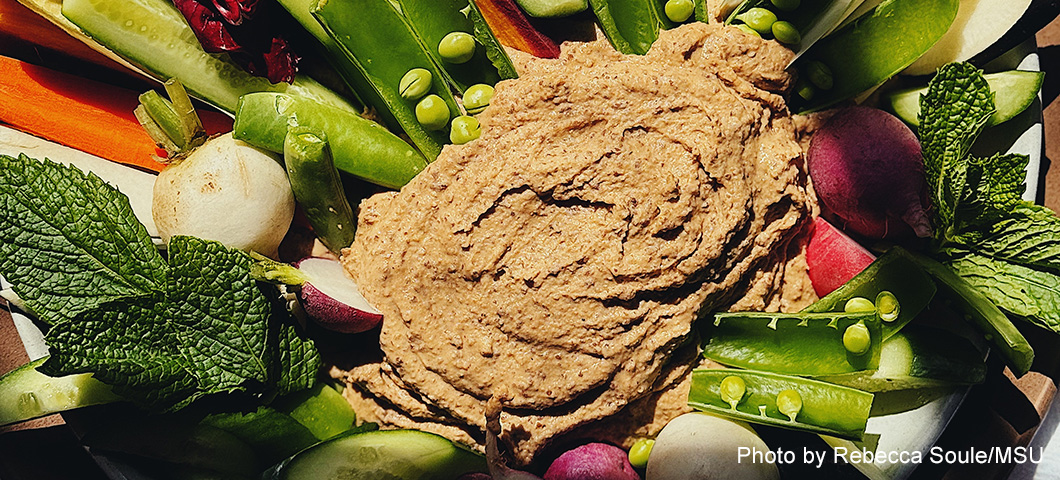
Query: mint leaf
x=1016 y=289
x=69 y=242
x=298 y=361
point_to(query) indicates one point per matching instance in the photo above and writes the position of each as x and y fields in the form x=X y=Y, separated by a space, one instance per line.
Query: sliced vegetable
x=153 y=35
x=90 y=116
x=590 y=462
x=436 y=20
x=321 y=409
x=360 y=147
x=631 y=25
x=317 y=187
x=894 y=272
x=876 y=47
x=833 y=258
x=825 y=408
x=803 y=22
x=1039 y=14
x=982 y=313
x=1014 y=91
x=704 y=446
x=332 y=299
x=921 y=357
x=867 y=169
x=796 y=343
x=381 y=43
x=978 y=25
x=553 y=8
x=512 y=28
x=397 y=454
x=26 y=393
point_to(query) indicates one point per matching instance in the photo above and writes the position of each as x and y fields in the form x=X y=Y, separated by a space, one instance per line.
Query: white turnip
x=699 y=446
x=867 y=170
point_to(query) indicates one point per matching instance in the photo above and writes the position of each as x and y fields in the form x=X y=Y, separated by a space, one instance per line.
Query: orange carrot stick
x=87 y=115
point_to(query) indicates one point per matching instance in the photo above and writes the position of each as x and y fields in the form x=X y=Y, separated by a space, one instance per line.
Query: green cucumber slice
x=26 y=393
x=552 y=8
x=392 y=454
x=875 y=47
x=321 y=409
x=153 y=35
x=1014 y=91
x=918 y=358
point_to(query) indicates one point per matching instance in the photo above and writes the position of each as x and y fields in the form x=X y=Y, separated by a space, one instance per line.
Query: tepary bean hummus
x=558 y=262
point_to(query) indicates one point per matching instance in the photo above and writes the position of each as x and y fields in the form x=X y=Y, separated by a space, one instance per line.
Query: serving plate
x=914 y=430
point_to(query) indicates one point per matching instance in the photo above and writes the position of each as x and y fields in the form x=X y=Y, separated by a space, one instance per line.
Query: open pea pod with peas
x=783 y=401
x=796 y=23
x=894 y=284
x=810 y=344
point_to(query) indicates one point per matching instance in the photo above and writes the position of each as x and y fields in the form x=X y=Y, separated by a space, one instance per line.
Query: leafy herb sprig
x=162 y=333
x=1005 y=246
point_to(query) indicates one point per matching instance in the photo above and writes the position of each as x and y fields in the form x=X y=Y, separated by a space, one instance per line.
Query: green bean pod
x=317 y=186
x=894 y=272
x=380 y=43
x=361 y=147
x=984 y=314
x=434 y=19
x=875 y=47
x=631 y=25
x=826 y=408
x=795 y=343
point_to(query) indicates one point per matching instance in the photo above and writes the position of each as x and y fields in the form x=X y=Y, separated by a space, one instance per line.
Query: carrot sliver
x=90 y=116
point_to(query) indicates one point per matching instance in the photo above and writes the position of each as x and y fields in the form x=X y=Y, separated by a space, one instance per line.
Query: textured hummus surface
x=559 y=261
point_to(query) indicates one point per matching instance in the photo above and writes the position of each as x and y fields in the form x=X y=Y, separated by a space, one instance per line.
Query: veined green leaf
x=1017 y=289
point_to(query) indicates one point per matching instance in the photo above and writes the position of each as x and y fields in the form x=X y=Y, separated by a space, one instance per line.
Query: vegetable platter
x=222 y=346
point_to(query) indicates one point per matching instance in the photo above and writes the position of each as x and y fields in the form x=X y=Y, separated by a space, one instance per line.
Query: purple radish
x=332 y=299
x=867 y=170
x=592 y=461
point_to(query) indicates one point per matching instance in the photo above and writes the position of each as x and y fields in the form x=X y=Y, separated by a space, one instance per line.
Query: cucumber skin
x=52 y=394
x=410 y=454
x=168 y=49
x=906 y=103
x=360 y=147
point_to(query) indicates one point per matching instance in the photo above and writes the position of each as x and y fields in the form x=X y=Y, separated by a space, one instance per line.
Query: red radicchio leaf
x=220 y=27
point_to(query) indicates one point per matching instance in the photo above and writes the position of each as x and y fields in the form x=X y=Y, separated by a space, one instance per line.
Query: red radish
x=833 y=258
x=332 y=299
x=867 y=169
x=592 y=461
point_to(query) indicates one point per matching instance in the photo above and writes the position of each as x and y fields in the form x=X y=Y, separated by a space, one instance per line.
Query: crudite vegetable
x=700 y=446
x=592 y=461
x=218 y=189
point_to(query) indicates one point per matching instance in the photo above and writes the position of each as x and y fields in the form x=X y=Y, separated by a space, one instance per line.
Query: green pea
x=748 y=30
x=639 y=452
x=856 y=339
x=805 y=90
x=789 y=402
x=477 y=98
x=457 y=47
x=679 y=11
x=760 y=19
x=887 y=306
x=432 y=112
x=786 y=5
x=464 y=129
x=786 y=33
x=415 y=84
x=859 y=304
x=819 y=74
x=732 y=390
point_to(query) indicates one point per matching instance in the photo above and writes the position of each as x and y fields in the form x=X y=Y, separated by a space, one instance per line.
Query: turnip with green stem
x=214 y=188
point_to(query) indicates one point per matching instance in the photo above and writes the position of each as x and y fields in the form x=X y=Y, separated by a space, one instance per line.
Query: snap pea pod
x=875 y=47
x=378 y=40
x=317 y=186
x=825 y=408
x=893 y=272
x=631 y=25
x=361 y=147
x=796 y=343
x=813 y=19
x=981 y=312
x=434 y=19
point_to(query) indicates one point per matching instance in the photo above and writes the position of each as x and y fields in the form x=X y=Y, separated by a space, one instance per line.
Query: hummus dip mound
x=557 y=264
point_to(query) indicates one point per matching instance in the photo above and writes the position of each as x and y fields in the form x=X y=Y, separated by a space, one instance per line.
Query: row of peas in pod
x=410 y=61
x=818 y=370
